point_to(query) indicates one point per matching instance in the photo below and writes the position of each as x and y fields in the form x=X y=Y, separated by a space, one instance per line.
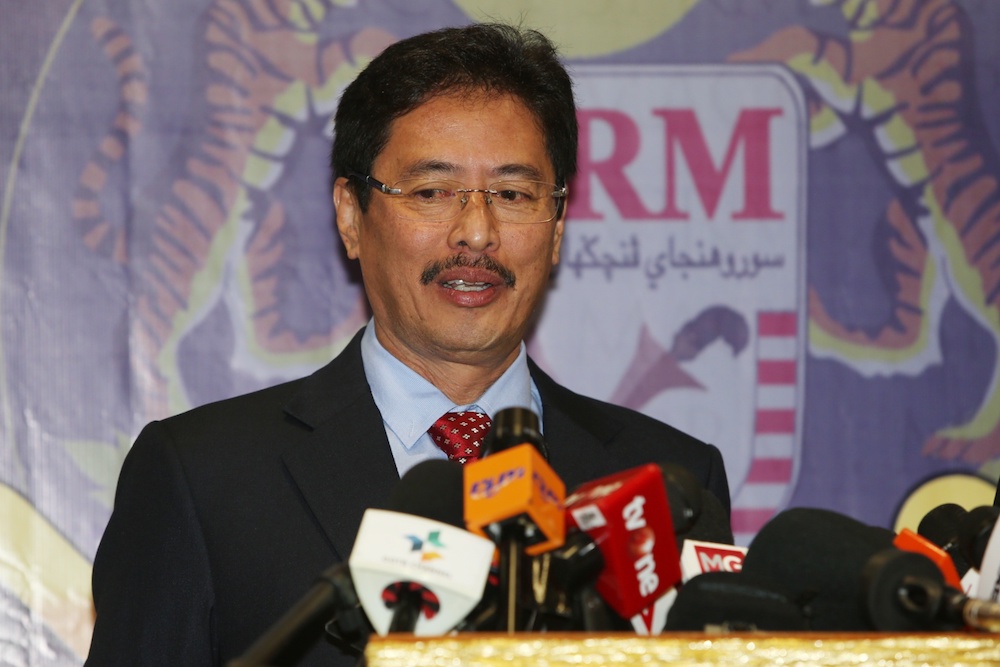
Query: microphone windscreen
x=819 y=556
x=974 y=530
x=940 y=525
x=712 y=525
x=432 y=489
x=684 y=492
x=733 y=601
x=513 y=427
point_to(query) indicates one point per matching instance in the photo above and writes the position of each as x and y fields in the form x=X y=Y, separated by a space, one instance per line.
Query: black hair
x=492 y=58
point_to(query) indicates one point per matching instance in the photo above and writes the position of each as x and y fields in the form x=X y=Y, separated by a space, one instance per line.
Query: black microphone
x=905 y=591
x=513 y=427
x=568 y=599
x=974 y=531
x=849 y=576
x=288 y=640
x=941 y=526
x=818 y=556
x=685 y=496
x=733 y=602
x=432 y=489
x=711 y=525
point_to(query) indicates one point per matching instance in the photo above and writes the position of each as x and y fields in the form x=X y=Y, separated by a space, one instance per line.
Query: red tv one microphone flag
x=627 y=514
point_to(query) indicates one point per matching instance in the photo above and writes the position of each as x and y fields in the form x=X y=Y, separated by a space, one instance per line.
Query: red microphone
x=628 y=516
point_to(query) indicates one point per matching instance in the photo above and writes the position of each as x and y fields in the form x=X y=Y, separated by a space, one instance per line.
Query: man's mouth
x=481 y=272
x=463 y=286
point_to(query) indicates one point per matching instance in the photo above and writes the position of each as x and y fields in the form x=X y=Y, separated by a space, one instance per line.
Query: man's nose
x=475 y=227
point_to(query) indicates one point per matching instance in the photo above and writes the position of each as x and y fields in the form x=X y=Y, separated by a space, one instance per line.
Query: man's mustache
x=481 y=262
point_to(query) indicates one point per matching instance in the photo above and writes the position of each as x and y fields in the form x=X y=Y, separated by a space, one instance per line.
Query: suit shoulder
x=265 y=404
x=607 y=420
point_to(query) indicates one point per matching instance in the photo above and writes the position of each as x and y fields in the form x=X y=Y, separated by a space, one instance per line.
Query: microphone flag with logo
x=394 y=549
x=628 y=516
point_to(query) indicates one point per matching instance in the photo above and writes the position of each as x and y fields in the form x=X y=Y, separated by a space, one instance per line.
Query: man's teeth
x=463 y=286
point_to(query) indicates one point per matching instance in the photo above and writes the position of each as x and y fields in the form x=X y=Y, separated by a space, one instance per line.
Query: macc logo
x=490 y=486
x=422 y=545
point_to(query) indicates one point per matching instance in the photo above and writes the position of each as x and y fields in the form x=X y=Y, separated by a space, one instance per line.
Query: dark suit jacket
x=226 y=514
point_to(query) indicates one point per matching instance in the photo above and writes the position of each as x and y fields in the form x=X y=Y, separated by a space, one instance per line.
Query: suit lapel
x=576 y=434
x=342 y=465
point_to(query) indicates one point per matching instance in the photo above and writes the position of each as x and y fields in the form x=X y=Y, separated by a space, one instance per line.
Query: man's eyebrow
x=428 y=168
x=522 y=171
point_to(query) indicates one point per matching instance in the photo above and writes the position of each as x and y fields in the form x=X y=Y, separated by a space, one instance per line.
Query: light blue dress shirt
x=410 y=404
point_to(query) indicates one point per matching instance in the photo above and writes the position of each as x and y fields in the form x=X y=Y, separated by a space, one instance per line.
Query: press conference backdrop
x=783 y=239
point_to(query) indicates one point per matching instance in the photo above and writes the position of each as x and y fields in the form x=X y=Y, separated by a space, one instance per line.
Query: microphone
x=628 y=517
x=905 y=592
x=565 y=578
x=711 y=525
x=417 y=575
x=567 y=598
x=981 y=543
x=698 y=519
x=733 y=602
x=514 y=497
x=697 y=557
x=818 y=556
x=685 y=496
x=975 y=529
x=907 y=540
x=415 y=568
x=850 y=577
x=697 y=516
x=431 y=489
x=286 y=642
x=513 y=427
x=940 y=526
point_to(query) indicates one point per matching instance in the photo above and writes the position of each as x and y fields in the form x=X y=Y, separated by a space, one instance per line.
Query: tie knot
x=461 y=435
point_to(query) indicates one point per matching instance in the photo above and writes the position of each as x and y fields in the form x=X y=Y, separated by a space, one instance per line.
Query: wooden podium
x=675 y=650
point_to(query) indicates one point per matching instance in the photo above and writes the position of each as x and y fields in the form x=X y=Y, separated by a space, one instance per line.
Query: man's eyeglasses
x=440 y=200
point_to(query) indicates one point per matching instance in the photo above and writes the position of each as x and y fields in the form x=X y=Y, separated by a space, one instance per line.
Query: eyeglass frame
x=560 y=194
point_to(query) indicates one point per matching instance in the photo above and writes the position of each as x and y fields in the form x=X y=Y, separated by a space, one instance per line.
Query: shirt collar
x=410 y=404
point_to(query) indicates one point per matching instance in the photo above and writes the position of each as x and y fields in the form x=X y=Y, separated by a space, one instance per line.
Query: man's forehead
x=417 y=157
x=443 y=169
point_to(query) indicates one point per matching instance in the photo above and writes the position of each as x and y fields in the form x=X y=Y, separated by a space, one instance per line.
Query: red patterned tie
x=461 y=435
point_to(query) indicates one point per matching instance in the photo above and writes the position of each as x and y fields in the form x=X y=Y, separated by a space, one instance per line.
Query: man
x=452 y=154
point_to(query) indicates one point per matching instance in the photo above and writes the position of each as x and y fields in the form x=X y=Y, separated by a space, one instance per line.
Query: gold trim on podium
x=677 y=650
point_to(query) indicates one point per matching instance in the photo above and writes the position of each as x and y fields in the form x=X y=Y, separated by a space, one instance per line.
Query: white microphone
x=988 y=584
x=444 y=567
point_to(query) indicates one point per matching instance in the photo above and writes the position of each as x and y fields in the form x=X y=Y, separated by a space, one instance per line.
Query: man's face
x=430 y=305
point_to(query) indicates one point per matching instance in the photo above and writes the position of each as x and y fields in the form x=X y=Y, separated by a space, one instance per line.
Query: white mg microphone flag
x=698 y=557
x=393 y=547
x=988 y=585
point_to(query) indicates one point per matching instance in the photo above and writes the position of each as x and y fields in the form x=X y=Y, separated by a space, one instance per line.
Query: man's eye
x=431 y=194
x=513 y=196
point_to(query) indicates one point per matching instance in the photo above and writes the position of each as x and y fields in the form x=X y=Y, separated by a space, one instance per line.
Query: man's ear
x=558 y=236
x=348 y=217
